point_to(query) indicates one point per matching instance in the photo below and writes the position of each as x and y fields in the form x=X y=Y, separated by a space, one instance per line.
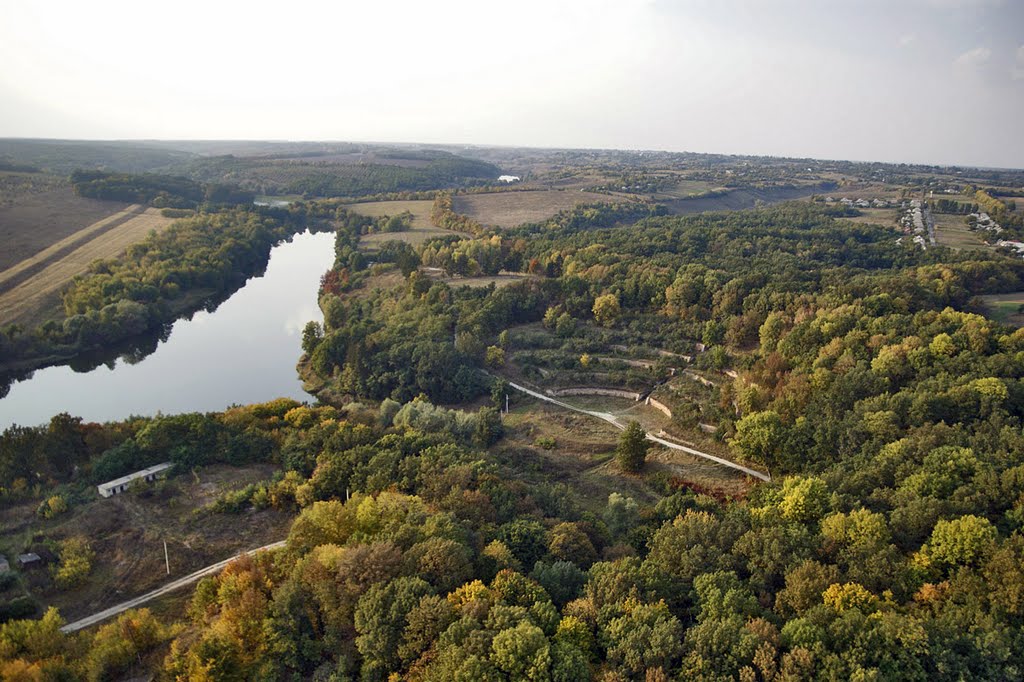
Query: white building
x=119 y=485
x=508 y=178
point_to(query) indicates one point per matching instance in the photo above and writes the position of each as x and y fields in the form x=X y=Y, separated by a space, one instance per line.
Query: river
x=243 y=352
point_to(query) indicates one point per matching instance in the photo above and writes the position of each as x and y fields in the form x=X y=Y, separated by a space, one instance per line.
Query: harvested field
x=741 y=199
x=33 y=222
x=422 y=230
x=415 y=236
x=509 y=209
x=21 y=299
x=22 y=271
x=420 y=210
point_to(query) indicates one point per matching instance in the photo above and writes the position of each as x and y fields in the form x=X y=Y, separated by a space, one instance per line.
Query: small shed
x=29 y=560
x=119 y=485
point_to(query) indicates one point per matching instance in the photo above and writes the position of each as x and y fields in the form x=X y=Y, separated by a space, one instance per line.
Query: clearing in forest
x=24 y=297
x=1006 y=308
x=422 y=230
x=509 y=209
x=951 y=231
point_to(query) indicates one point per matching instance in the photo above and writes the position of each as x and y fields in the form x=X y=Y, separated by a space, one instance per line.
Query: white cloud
x=973 y=59
x=1017 y=73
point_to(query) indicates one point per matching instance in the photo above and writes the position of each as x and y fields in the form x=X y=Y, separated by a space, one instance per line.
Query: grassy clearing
x=127 y=533
x=1005 y=308
x=688 y=188
x=420 y=210
x=951 y=231
x=583 y=452
x=509 y=209
x=421 y=231
x=25 y=296
x=496 y=280
x=876 y=216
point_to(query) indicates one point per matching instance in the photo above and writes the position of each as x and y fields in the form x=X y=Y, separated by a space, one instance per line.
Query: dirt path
x=169 y=587
x=109 y=243
x=613 y=420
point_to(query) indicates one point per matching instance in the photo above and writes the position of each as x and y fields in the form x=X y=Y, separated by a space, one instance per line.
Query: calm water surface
x=243 y=352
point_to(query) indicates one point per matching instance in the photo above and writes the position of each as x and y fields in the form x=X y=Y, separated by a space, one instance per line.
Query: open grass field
x=951 y=231
x=583 y=452
x=483 y=281
x=420 y=210
x=18 y=303
x=509 y=209
x=876 y=216
x=422 y=230
x=1006 y=308
x=688 y=188
x=30 y=222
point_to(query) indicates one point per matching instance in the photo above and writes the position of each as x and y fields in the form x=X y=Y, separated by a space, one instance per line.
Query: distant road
x=611 y=419
x=159 y=592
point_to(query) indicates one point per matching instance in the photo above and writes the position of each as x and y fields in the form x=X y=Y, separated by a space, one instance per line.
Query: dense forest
x=161 y=191
x=312 y=177
x=888 y=546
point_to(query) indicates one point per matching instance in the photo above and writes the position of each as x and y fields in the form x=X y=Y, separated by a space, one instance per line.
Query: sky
x=918 y=81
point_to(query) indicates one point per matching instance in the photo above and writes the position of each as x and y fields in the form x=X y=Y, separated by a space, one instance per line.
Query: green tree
x=606 y=309
x=760 y=437
x=381 y=619
x=647 y=636
x=632 y=449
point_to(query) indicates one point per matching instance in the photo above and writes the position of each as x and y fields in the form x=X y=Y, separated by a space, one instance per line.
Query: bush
x=54 y=506
x=76 y=557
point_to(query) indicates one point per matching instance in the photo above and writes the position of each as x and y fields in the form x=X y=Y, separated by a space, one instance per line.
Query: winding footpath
x=160 y=591
x=611 y=419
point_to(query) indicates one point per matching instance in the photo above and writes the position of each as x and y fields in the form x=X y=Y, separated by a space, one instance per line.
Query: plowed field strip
x=14 y=276
x=108 y=244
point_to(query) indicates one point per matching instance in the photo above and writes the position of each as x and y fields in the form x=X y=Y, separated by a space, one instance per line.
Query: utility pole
x=506 y=403
x=167 y=558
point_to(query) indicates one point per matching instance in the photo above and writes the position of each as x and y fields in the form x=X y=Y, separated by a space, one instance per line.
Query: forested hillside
x=888 y=546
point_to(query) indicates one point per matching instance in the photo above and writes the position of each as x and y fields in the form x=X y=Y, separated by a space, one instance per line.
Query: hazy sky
x=938 y=81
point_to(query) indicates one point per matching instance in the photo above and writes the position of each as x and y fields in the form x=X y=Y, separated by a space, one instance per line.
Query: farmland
x=31 y=221
x=422 y=230
x=22 y=300
x=509 y=209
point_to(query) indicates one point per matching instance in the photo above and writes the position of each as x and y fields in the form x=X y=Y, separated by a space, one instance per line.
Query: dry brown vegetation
x=509 y=209
x=23 y=298
x=30 y=222
x=422 y=230
x=53 y=251
x=420 y=210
